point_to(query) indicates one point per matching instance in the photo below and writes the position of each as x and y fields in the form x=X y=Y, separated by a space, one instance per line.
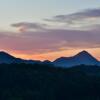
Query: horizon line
x=10 y=54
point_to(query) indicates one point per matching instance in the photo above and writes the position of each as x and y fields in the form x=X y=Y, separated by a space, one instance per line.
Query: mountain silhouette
x=81 y=58
x=7 y=58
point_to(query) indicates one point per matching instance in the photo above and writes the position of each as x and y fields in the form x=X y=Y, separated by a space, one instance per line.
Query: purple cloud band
x=53 y=39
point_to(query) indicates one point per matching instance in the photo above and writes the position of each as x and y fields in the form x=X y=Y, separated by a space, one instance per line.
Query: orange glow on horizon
x=53 y=55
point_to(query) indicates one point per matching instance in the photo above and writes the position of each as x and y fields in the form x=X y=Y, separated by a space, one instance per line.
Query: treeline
x=46 y=82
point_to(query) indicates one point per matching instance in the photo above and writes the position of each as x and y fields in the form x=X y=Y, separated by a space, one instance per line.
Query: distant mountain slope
x=81 y=58
x=7 y=58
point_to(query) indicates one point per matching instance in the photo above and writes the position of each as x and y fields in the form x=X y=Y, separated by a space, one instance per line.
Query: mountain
x=81 y=58
x=7 y=58
x=47 y=62
x=99 y=63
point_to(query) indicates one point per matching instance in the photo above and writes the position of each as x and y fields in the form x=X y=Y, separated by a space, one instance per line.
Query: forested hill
x=45 y=82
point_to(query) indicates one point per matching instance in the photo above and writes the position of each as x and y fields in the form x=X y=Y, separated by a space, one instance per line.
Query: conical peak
x=85 y=56
x=84 y=53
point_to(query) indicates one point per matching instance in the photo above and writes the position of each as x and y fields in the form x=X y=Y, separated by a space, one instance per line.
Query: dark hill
x=43 y=82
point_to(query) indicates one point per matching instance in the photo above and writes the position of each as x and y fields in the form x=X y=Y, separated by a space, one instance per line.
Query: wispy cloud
x=25 y=26
x=79 y=19
x=70 y=18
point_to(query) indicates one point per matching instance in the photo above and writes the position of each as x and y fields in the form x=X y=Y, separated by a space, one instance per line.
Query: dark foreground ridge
x=45 y=82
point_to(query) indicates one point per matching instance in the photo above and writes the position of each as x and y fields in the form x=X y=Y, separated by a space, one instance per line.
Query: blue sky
x=34 y=10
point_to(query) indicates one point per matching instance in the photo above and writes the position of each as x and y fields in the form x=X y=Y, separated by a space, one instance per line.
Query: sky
x=48 y=29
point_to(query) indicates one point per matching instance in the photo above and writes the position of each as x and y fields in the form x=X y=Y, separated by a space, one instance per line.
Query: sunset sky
x=48 y=29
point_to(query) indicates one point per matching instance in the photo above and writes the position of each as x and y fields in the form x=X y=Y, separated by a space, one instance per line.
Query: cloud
x=70 y=18
x=78 y=19
x=24 y=26
x=49 y=40
x=40 y=38
x=82 y=20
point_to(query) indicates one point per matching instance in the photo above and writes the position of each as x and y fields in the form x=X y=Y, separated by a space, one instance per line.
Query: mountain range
x=81 y=58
